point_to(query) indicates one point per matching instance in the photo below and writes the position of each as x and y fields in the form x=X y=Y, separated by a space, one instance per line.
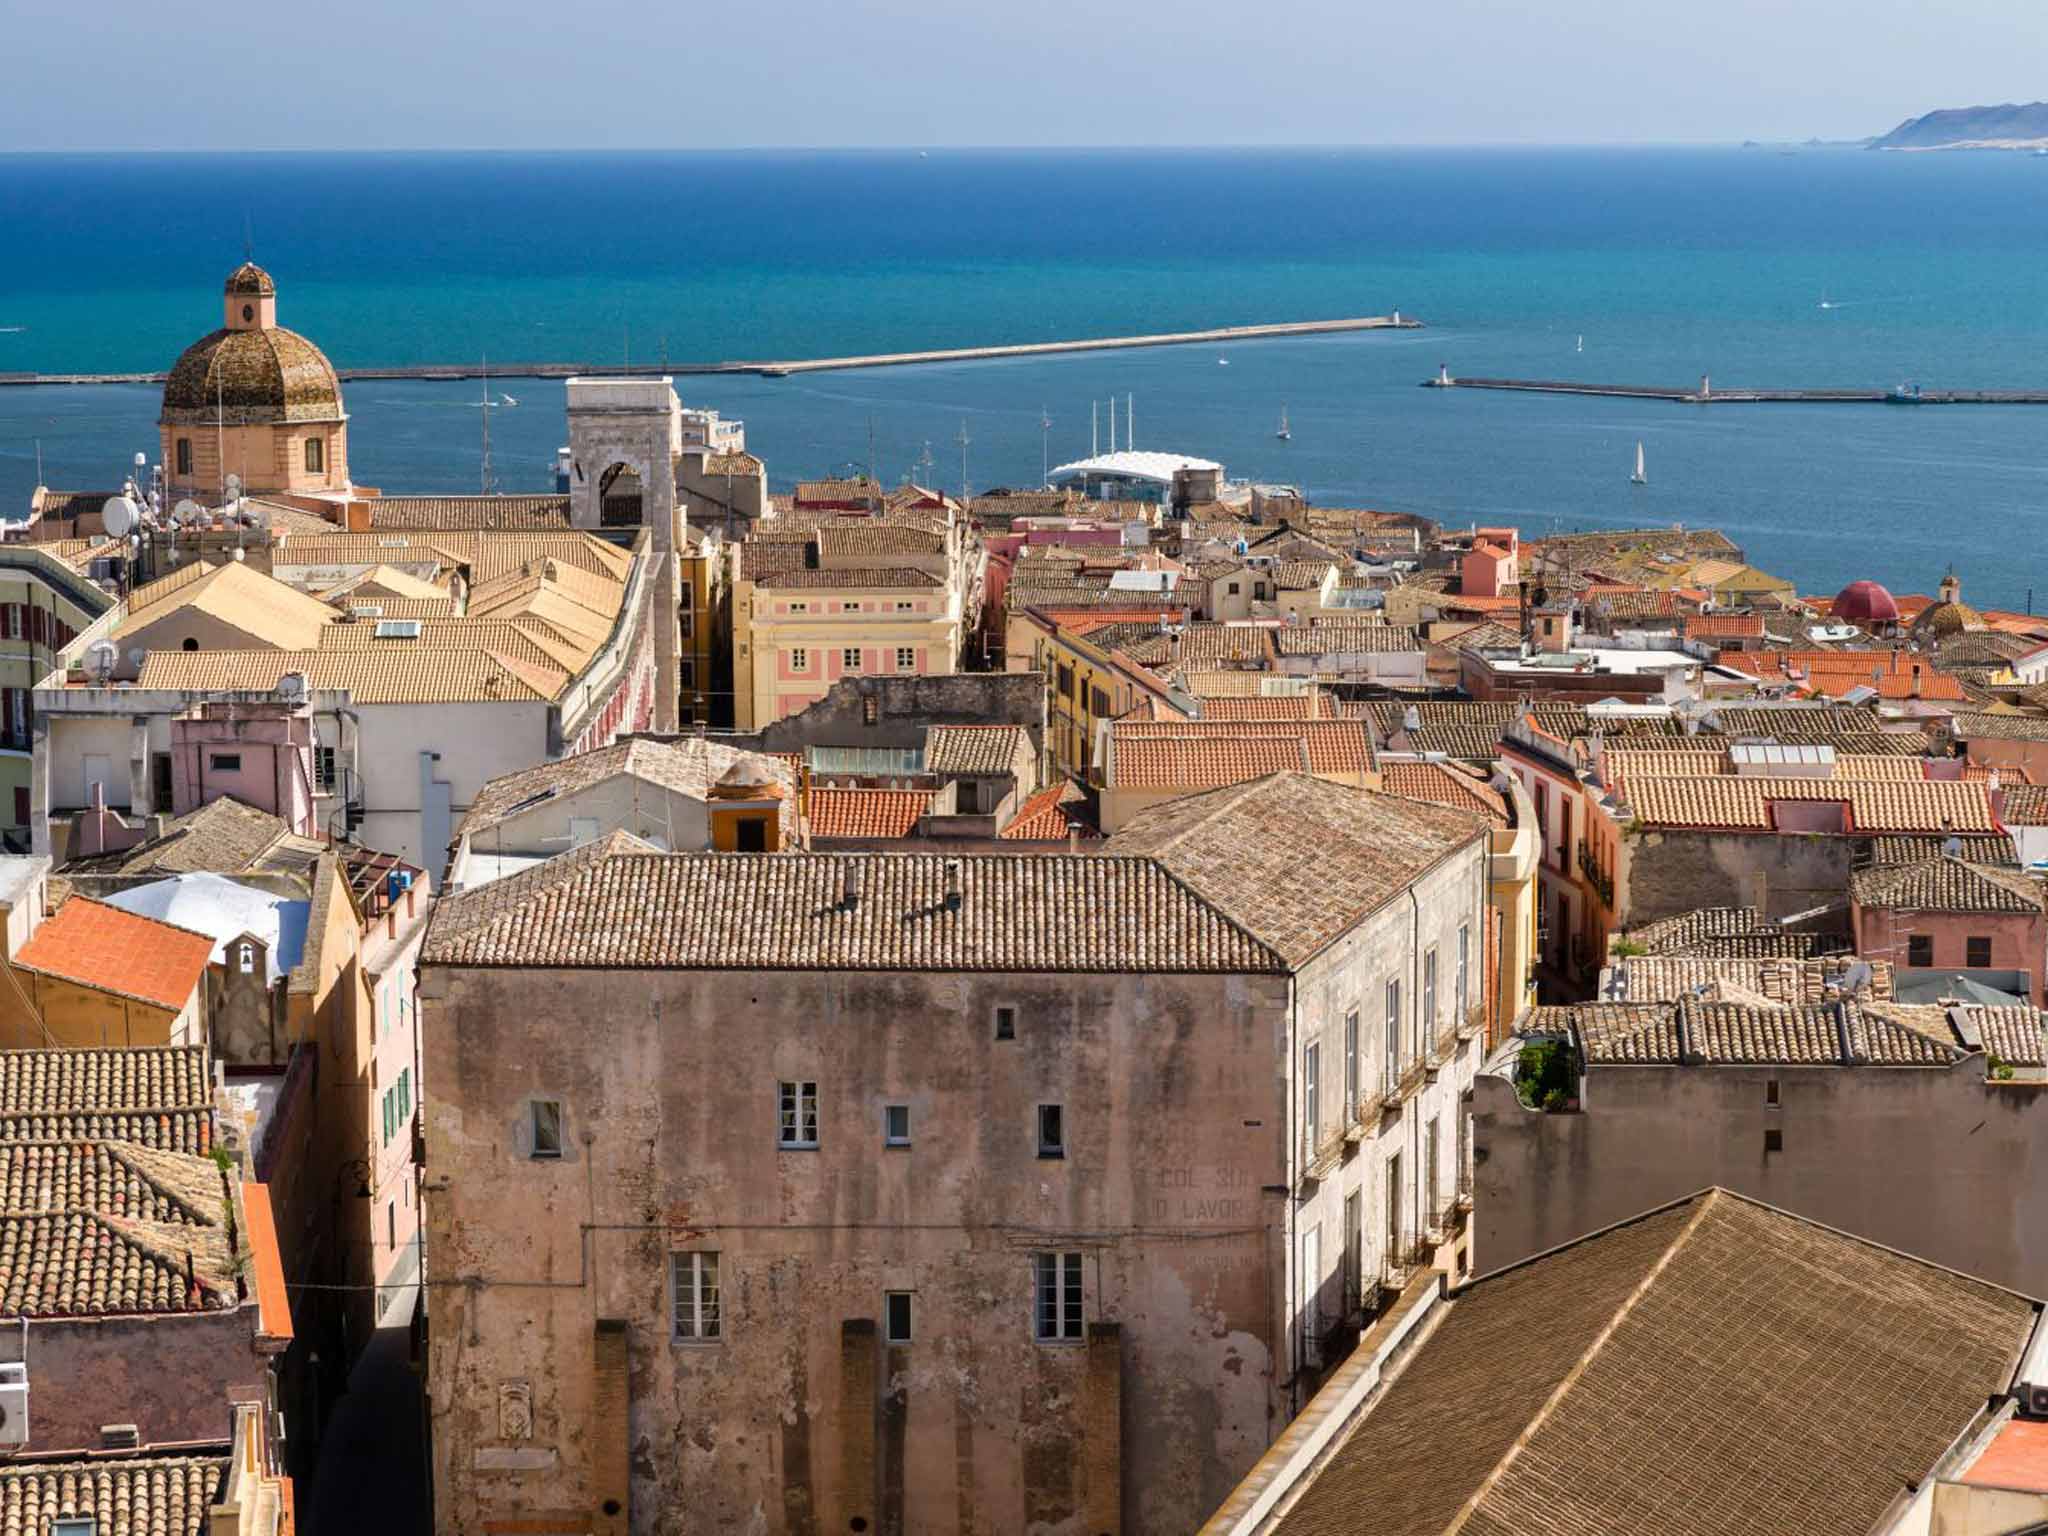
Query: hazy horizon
x=905 y=74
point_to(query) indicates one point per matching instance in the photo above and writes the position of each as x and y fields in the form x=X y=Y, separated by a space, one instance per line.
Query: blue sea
x=1669 y=263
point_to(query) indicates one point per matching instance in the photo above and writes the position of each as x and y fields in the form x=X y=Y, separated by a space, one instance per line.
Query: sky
x=621 y=74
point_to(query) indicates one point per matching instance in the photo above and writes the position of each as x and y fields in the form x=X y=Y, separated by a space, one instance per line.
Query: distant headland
x=2004 y=127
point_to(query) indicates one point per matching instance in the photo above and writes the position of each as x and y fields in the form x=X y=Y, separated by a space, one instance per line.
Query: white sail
x=1639 y=478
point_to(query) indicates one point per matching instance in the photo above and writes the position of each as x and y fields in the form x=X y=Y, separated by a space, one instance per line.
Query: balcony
x=1595 y=877
x=1320 y=1159
x=1472 y=1023
x=1414 y=1077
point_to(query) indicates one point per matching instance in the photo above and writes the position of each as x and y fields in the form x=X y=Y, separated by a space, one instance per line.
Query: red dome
x=1865 y=602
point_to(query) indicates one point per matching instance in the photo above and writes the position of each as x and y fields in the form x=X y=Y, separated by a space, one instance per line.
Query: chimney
x=1073 y=838
x=954 y=895
x=119 y=1437
x=391 y=922
x=408 y=901
x=849 y=893
x=1848 y=1052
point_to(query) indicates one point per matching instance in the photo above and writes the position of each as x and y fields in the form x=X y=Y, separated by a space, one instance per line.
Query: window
x=871 y=710
x=1006 y=1023
x=1065 y=675
x=799 y=1122
x=391 y=1225
x=1052 y=1131
x=799 y=607
x=895 y=1125
x=1393 y=1035
x=546 y=1118
x=388 y=1104
x=1394 y=1254
x=849 y=659
x=1354 y=1251
x=905 y=606
x=1056 y=1296
x=694 y=1279
x=1977 y=951
x=1920 y=949
x=184 y=455
x=1235 y=587
x=75 y=1525
x=896 y=1317
x=1464 y=995
x=1428 y=1021
x=1774 y=1140
x=245 y=958
x=1098 y=702
x=1432 y=1170
x=751 y=835
x=1351 y=1065
x=1770 y=1093
x=906 y=658
x=1259 y=590
x=799 y=659
x=1311 y=1100
x=316 y=456
x=966 y=797
x=849 y=607
x=1312 y=1295
x=323 y=769
x=224 y=762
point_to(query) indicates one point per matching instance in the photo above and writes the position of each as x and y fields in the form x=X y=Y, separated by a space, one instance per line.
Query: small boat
x=1283 y=434
x=507 y=400
x=1222 y=362
x=1639 y=478
x=1582 y=344
x=1826 y=302
x=1904 y=394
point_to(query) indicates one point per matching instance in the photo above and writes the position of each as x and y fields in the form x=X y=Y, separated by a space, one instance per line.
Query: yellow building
x=253 y=400
x=94 y=975
x=704 y=617
x=797 y=632
x=1087 y=682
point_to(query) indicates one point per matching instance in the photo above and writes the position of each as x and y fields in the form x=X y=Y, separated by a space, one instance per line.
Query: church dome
x=1948 y=617
x=1865 y=602
x=251 y=372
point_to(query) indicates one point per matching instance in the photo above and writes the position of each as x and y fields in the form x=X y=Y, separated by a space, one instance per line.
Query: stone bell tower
x=637 y=425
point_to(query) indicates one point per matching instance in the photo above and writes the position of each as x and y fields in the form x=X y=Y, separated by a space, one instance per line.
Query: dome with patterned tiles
x=252 y=371
x=1949 y=616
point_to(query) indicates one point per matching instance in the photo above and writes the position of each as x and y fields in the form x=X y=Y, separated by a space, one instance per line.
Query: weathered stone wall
x=802 y=1418
x=904 y=707
x=1662 y=874
x=171 y=1377
x=1937 y=1163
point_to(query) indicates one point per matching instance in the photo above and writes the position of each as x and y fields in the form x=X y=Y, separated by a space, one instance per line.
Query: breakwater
x=1709 y=393
x=1219 y=335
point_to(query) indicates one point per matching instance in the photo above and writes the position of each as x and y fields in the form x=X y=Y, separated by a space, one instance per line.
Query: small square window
x=1052 y=1131
x=896 y=1125
x=224 y=762
x=1977 y=952
x=1771 y=1093
x=849 y=659
x=896 y=1310
x=798 y=1126
x=547 y=1127
x=695 y=1299
x=799 y=659
x=1774 y=1140
x=906 y=659
x=1920 y=950
x=1006 y=1023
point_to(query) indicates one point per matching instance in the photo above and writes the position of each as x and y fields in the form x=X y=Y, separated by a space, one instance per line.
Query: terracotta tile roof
x=1050 y=816
x=1631 y=762
x=1442 y=784
x=1784 y=981
x=258 y=605
x=1302 y=575
x=1723 y=626
x=496 y=514
x=110 y=950
x=1202 y=762
x=104 y=1228
x=731 y=464
x=1735 y=932
x=1309 y=704
x=222 y=837
x=1364 y=639
x=2013 y=1035
x=1329 y=747
x=1894 y=675
x=894 y=579
x=1469 y=742
x=151 y=1496
x=1743 y=804
x=689 y=766
x=1715 y=1368
x=866 y=813
x=871 y=536
x=1944 y=884
x=152 y=593
x=609 y=906
x=1999 y=727
x=154 y=1096
x=975 y=749
x=1298 y=861
x=1733 y=1034
x=858 y=489
x=2026 y=805
x=433 y=676
x=1994 y=848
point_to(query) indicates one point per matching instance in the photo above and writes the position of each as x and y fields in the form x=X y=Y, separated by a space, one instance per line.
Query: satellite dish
x=187 y=511
x=234 y=487
x=118 y=516
x=240 y=556
x=103 y=656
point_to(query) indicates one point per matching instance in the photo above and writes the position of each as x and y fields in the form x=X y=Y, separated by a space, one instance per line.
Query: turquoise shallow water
x=1669 y=262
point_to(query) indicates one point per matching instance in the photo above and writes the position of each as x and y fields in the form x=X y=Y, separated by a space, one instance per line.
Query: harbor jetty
x=1219 y=335
x=1708 y=393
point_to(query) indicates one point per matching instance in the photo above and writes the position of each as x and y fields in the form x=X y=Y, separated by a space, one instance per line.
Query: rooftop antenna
x=489 y=480
x=1044 y=447
x=1130 y=422
x=964 y=441
x=926 y=461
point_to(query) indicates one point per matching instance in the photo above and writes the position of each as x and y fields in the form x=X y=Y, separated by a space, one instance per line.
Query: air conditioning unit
x=13 y=1403
x=2034 y=1399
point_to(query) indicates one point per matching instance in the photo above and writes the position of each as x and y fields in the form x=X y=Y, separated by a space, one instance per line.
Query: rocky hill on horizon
x=2011 y=126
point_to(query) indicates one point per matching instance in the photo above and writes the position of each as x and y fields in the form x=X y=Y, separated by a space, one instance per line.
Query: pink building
x=1492 y=567
x=1947 y=915
x=260 y=754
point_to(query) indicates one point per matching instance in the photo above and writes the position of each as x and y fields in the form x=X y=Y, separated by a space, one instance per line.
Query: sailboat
x=1639 y=478
x=1582 y=343
x=1283 y=434
x=504 y=399
x=1826 y=302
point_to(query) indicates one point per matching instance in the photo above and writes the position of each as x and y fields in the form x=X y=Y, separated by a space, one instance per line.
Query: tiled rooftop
x=1444 y=784
x=233 y=594
x=1993 y=848
x=1725 y=1034
x=866 y=813
x=1946 y=884
x=446 y=514
x=1782 y=980
x=102 y=947
x=689 y=766
x=1743 y=804
x=893 y=579
x=398 y=676
x=147 y=1496
x=154 y=1096
x=223 y=836
x=1050 y=816
x=608 y=905
x=1165 y=754
x=985 y=750
x=1298 y=861
x=1327 y=639
x=1713 y=1368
